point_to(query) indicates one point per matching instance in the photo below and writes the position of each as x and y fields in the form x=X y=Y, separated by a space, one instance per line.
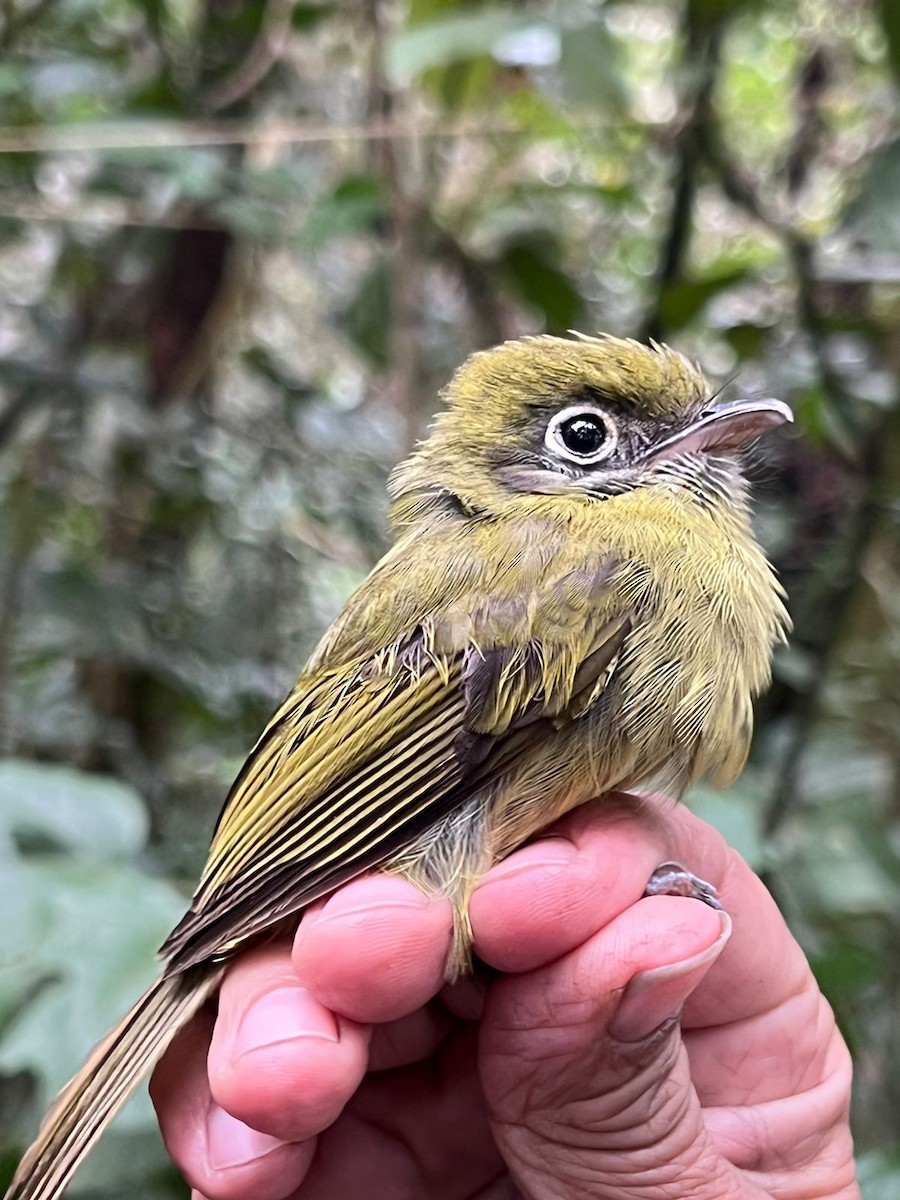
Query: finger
x=409 y=1039
x=549 y=897
x=435 y=1110
x=762 y=964
x=775 y=1090
x=279 y=1060
x=465 y=996
x=755 y=1029
x=583 y=1069
x=219 y=1156
x=777 y=1053
x=801 y=1139
x=375 y=950
x=556 y=893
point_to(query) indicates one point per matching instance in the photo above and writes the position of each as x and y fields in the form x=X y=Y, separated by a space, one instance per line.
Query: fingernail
x=231 y=1143
x=656 y=996
x=281 y=1016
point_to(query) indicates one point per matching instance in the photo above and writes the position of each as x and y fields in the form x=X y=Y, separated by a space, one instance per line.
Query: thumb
x=584 y=1070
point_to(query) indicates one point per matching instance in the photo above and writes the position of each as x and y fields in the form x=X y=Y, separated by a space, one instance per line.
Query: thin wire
x=107 y=210
x=137 y=135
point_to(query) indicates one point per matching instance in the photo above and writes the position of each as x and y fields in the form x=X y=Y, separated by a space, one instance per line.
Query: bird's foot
x=672 y=879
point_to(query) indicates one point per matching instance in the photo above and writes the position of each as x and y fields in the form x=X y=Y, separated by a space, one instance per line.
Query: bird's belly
x=566 y=770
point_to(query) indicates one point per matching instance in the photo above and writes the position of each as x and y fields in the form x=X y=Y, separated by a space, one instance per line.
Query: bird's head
x=590 y=417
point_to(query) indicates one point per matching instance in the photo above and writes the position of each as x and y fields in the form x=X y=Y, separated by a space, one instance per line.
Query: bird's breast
x=707 y=610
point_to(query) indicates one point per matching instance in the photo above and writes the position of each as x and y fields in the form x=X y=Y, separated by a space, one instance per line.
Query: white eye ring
x=554 y=438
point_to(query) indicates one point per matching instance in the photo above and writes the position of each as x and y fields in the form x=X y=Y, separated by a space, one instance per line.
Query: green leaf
x=308 y=16
x=736 y=813
x=531 y=266
x=889 y=13
x=94 y=929
x=367 y=318
x=684 y=299
x=452 y=39
x=91 y=815
x=712 y=12
x=104 y=614
x=354 y=206
x=839 y=770
x=260 y=360
x=841 y=878
x=11 y=78
x=82 y=924
x=748 y=339
x=844 y=969
x=590 y=68
x=819 y=419
x=874 y=215
x=879 y=1175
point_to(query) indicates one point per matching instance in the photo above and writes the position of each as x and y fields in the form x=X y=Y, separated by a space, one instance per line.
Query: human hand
x=624 y=1051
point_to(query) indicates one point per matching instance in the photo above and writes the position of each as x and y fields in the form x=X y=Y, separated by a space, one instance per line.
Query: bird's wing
x=366 y=754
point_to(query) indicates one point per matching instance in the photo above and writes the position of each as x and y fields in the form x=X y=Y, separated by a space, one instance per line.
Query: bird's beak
x=724 y=427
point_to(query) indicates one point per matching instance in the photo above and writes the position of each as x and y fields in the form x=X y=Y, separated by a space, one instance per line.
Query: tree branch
x=701 y=60
x=870 y=462
x=488 y=314
x=265 y=52
x=405 y=266
x=875 y=467
x=17 y=21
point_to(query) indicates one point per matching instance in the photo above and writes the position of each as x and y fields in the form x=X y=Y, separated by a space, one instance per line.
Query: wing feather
x=369 y=752
x=297 y=847
x=304 y=774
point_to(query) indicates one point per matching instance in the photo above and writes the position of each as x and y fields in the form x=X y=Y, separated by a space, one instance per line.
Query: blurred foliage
x=242 y=245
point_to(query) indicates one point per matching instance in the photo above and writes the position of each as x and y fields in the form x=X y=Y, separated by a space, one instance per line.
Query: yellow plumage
x=574 y=603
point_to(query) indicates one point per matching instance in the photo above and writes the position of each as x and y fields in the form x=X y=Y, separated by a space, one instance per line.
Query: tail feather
x=87 y=1104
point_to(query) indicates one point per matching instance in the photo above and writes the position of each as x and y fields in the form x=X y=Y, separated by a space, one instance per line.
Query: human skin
x=620 y=1047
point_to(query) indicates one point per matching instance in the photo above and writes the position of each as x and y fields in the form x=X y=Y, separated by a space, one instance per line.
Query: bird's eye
x=581 y=434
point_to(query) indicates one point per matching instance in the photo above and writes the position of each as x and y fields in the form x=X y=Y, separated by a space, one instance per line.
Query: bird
x=574 y=603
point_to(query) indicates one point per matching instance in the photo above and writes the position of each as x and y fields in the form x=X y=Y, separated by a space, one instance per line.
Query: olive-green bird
x=574 y=603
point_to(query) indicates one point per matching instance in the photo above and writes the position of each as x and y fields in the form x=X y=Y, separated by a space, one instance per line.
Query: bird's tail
x=87 y=1104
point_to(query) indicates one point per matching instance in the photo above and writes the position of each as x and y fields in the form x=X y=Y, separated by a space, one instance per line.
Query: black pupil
x=583 y=434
